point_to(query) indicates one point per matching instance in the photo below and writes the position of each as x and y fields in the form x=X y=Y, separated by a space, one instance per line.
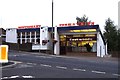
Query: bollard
x=3 y=53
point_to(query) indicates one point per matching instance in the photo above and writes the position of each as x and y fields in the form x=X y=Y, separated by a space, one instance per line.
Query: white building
x=68 y=38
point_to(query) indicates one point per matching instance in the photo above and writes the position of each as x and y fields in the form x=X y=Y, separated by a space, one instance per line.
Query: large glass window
x=77 y=42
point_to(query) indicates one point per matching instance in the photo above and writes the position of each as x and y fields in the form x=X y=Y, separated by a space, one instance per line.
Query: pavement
x=9 y=64
x=74 y=56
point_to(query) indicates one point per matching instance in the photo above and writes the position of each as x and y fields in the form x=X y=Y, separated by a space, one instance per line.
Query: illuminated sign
x=85 y=23
x=27 y=27
x=77 y=24
x=82 y=39
x=3 y=53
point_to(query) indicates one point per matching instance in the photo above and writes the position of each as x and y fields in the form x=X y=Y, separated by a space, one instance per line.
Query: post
x=39 y=40
x=52 y=30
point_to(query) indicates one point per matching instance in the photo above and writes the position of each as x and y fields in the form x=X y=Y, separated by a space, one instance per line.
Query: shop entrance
x=78 y=44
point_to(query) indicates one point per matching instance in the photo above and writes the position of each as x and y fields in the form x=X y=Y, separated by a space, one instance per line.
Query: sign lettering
x=78 y=24
x=27 y=27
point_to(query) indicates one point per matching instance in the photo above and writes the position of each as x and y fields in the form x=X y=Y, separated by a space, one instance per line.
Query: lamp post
x=52 y=30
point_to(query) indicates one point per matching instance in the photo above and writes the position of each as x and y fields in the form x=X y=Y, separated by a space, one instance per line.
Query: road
x=37 y=65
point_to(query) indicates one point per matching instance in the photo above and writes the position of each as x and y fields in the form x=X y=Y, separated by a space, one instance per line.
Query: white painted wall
x=106 y=49
x=94 y=48
x=56 y=45
x=44 y=35
x=40 y=46
x=11 y=35
x=100 y=46
x=20 y=37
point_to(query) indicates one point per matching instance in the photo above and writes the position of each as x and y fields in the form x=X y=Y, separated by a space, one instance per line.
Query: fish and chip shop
x=68 y=38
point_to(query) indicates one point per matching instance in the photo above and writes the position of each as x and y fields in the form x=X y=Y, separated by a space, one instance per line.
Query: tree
x=118 y=40
x=110 y=34
x=82 y=19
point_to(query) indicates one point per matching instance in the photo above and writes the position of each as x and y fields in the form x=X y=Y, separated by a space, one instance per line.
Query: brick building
x=2 y=35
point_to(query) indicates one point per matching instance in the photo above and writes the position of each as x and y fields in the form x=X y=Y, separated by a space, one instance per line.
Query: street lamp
x=52 y=30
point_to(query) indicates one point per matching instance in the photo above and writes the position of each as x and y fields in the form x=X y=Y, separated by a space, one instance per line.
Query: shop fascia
x=77 y=24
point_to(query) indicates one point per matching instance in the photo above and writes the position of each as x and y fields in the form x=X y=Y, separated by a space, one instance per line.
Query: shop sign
x=27 y=27
x=77 y=24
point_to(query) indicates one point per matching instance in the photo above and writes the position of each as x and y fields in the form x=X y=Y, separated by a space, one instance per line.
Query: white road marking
x=15 y=55
x=13 y=76
x=5 y=78
x=61 y=67
x=98 y=72
x=24 y=66
x=44 y=56
x=34 y=64
x=79 y=69
x=29 y=63
x=27 y=76
x=17 y=77
x=15 y=61
x=45 y=65
x=116 y=74
x=24 y=54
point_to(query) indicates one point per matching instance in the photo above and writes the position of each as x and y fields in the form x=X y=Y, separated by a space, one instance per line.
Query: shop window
x=23 y=40
x=18 y=35
x=28 y=33
x=38 y=41
x=33 y=41
x=28 y=40
x=38 y=33
x=23 y=34
x=32 y=33
x=18 y=41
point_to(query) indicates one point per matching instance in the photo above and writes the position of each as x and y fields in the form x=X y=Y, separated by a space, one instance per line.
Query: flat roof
x=66 y=28
x=61 y=28
x=75 y=27
x=28 y=30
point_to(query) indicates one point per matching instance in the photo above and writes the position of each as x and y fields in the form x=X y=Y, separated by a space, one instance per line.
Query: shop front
x=79 y=40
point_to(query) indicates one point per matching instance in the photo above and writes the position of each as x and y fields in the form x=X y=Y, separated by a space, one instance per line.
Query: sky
x=14 y=13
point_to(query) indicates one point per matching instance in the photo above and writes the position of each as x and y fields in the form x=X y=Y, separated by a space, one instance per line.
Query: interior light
x=86 y=30
x=64 y=35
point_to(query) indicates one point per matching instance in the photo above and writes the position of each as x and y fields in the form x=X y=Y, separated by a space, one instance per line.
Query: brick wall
x=20 y=47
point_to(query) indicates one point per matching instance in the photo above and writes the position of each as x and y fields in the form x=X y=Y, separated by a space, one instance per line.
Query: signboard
x=85 y=23
x=27 y=27
x=77 y=24
x=3 y=53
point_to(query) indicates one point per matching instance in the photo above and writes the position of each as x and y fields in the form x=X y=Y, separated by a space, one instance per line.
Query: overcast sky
x=14 y=13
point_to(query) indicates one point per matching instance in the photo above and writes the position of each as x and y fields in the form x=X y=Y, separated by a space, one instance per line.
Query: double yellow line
x=3 y=53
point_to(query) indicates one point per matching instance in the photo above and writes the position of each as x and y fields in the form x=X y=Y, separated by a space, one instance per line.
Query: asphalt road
x=37 y=65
